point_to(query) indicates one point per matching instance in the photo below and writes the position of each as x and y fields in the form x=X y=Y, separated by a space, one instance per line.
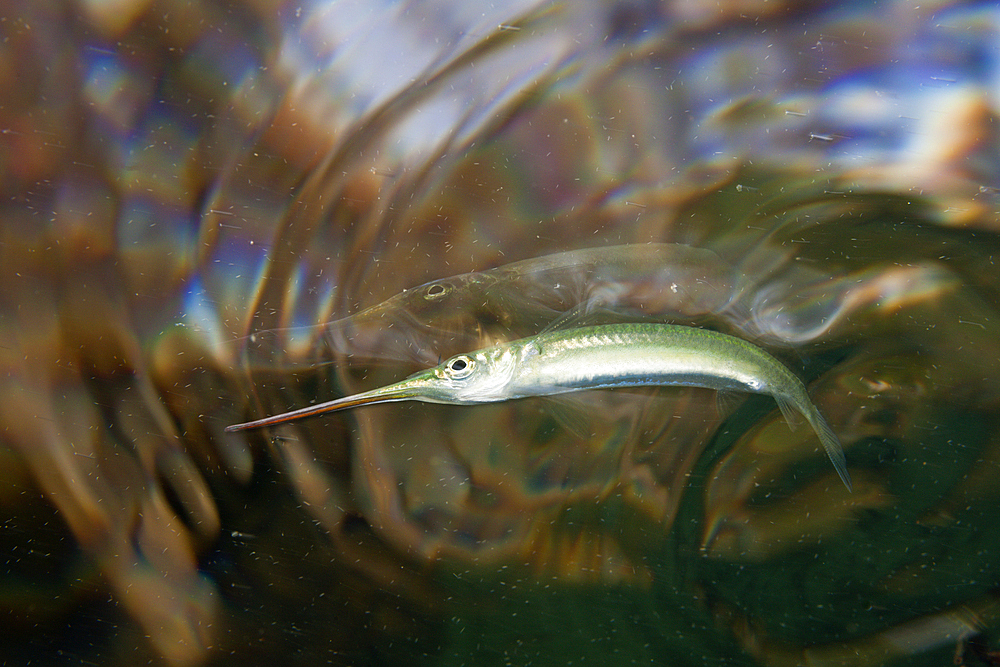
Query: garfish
x=598 y=357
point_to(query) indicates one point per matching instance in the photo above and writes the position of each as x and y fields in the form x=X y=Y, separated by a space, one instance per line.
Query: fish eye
x=437 y=290
x=461 y=366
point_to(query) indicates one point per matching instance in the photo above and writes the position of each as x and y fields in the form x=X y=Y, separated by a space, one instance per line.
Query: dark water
x=217 y=211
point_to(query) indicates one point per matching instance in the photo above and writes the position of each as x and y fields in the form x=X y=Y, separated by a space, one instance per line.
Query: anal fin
x=727 y=402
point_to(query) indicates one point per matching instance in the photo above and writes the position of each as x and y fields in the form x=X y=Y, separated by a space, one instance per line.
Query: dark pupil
x=435 y=290
x=458 y=365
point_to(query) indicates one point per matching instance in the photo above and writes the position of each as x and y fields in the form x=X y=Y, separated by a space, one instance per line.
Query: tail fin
x=831 y=443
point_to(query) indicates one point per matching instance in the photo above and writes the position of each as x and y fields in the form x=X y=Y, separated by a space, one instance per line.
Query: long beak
x=412 y=388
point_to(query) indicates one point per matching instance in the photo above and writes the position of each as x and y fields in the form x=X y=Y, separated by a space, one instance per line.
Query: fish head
x=417 y=323
x=476 y=377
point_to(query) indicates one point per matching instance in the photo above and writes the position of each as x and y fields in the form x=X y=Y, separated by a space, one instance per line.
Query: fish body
x=599 y=357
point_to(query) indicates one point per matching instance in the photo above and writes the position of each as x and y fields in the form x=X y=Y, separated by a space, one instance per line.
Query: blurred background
x=217 y=210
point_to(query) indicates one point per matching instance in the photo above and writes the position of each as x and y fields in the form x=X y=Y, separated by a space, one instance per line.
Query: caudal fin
x=831 y=443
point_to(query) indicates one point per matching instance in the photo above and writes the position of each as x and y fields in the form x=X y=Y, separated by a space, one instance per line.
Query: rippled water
x=216 y=212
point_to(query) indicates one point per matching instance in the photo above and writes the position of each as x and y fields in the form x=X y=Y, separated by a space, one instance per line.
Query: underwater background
x=217 y=210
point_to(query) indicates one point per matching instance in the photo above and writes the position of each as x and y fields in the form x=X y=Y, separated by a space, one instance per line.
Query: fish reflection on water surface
x=653 y=281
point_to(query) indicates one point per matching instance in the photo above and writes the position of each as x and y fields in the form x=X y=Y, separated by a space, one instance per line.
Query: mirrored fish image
x=647 y=281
